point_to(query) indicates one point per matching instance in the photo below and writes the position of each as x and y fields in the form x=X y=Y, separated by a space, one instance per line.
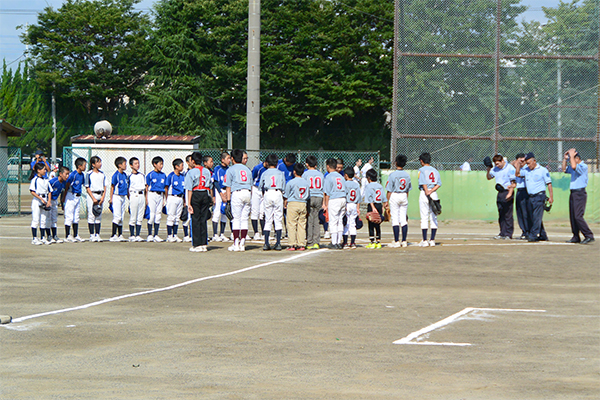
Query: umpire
x=578 y=198
x=504 y=173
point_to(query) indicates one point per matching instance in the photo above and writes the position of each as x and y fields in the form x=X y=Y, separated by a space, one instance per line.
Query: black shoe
x=266 y=247
x=533 y=240
x=332 y=246
x=574 y=240
x=543 y=239
x=277 y=247
x=339 y=247
x=588 y=240
x=522 y=237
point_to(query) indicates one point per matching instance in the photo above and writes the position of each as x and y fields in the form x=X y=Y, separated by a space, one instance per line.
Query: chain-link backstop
x=10 y=185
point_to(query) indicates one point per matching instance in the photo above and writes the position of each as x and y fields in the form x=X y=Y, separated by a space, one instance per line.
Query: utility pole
x=559 y=148
x=253 y=94
x=53 y=127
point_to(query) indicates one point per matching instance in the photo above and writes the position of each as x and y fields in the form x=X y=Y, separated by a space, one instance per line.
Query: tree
x=91 y=51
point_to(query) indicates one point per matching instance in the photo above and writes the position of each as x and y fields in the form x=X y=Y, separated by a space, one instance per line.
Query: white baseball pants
x=39 y=217
x=351 y=214
x=174 y=209
x=72 y=206
x=398 y=208
x=336 y=209
x=118 y=209
x=92 y=219
x=155 y=202
x=217 y=216
x=273 y=200
x=428 y=218
x=137 y=208
x=257 y=205
x=240 y=208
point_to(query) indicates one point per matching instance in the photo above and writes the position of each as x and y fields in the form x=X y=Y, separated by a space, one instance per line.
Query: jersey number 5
x=338 y=183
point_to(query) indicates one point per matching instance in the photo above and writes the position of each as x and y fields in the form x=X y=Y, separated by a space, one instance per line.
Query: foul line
x=510 y=244
x=446 y=321
x=125 y=296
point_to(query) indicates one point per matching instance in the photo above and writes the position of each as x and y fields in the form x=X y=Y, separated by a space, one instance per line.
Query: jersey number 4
x=432 y=177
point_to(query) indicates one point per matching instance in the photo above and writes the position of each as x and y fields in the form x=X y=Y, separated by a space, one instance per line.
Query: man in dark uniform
x=521 y=198
x=578 y=198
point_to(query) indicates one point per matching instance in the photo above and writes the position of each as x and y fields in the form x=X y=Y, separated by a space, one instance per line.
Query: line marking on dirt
x=164 y=289
x=510 y=244
x=413 y=338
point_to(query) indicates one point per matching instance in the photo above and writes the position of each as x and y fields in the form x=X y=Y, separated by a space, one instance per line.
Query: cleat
x=256 y=236
x=196 y=249
x=170 y=239
x=332 y=246
x=432 y=243
x=404 y=244
x=588 y=240
x=291 y=248
x=187 y=239
x=51 y=240
x=122 y=239
x=44 y=241
x=58 y=240
x=113 y=239
x=233 y=247
x=216 y=238
x=92 y=238
x=346 y=247
x=352 y=246
x=301 y=248
x=35 y=241
x=394 y=245
x=98 y=238
x=424 y=243
x=370 y=245
x=241 y=248
x=266 y=247
x=177 y=240
x=133 y=239
x=157 y=239
x=327 y=235
x=204 y=249
x=277 y=247
x=150 y=238
x=70 y=239
x=79 y=239
x=377 y=245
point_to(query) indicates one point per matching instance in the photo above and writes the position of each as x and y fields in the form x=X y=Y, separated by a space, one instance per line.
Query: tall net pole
x=253 y=94
x=496 y=136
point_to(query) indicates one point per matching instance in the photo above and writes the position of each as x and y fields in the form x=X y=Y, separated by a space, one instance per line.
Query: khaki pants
x=296 y=223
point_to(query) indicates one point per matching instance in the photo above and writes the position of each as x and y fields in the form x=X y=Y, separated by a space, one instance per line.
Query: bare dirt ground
x=318 y=326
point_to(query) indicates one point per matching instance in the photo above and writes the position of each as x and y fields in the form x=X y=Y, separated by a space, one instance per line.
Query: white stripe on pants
x=273 y=209
x=137 y=207
x=72 y=206
x=174 y=209
x=351 y=214
x=118 y=209
x=240 y=208
x=398 y=207
x=428 y=218
x=336 y=209
x=257 y=205
x=155 y=202
x=92 y=219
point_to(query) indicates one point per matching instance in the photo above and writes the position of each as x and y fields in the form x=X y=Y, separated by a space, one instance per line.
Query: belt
x=136 y=191
x=155 y=191
x=76 y=194
x=538 y=193
x=176 y=195
x=276 y=190
x=578 y=190
x=99 y=192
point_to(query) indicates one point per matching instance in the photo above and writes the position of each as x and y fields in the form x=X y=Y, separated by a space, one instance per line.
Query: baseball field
x=472 y=318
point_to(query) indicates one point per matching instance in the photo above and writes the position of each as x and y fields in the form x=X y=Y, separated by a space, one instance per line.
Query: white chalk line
x=511 y=244
x=178 y=285
x=410 y=339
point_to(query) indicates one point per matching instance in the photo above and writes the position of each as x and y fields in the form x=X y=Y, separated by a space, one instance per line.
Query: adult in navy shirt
x=573 y=164
x=39 y=157
x=286 y=165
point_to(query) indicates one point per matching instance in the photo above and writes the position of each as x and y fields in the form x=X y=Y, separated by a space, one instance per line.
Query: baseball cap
x=39 y=152
x=529 y=155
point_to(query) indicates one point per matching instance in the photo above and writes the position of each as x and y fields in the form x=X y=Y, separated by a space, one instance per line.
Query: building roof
x=9 y=129
x=137 y=139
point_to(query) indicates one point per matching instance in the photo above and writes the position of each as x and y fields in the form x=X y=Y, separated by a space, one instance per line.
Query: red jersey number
x=352 y=195
x=315 y=182
x=402 y=185
x=302 y=192
x=378 y=195
x=273 y=183
x=338 y=183
x=432 y=177
x=243 y=176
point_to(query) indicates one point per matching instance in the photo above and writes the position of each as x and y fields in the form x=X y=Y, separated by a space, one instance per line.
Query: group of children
x=274 y=192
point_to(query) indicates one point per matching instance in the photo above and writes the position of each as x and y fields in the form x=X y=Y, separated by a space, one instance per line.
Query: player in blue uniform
x=353 y=199
x=155 y=192
x=257 y=209
x=397 y=187
x=58 y=184
x=429 y=183
x=219 y=193
x=315 y=180
x=72 y=201
x=238 y=186
x=272 y=184
x=119 y=190
x=175 y=188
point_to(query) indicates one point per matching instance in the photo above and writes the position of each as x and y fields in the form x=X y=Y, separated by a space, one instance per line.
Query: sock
x=120 y=230
x=114 y=229
x=424 y=234
x=352 y=239
x=185 y=230
x=344 y=240
x=91 y=228
x=34 y=232
x=243 y=234
x=75 y=230
x=433 y=232
x=149 y=229
x=156 y=226
x=215 y=228
x=266 y=233
x=255 y=226
x=326 y=226
x=169 y=230
x=236 y=235
x=372 y=239
x=262 y=226
x=54 y=232
x=67 y=230
x=404 y=232
x=278 y=236
x=131 y=230
x=97 y=226
x=48 y=234
x=175 y=230
x=222 y=228
x=138 y=230
x=396 y=230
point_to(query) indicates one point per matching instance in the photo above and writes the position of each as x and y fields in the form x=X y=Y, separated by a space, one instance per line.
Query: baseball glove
x=547 y=205
x=46 y=208
x=374 y=217
x=500 y=188
x=184 y=214
x=488 y=162
x=436 y=206
x=97 y=210
x=386 y=215
x=228 y=212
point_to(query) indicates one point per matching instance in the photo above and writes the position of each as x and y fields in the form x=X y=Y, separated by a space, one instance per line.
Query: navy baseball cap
x=529 y=155
x=39 y=152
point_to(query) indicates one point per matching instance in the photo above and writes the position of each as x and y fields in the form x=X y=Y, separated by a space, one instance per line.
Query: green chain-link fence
x=10 y=182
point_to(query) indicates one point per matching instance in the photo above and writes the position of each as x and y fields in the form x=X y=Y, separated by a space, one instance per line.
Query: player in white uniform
x=72 y=201
x=95 y=184
x=397 y=187
x=238 y=186
x=257 y=208
x=155 y=196
x=40 y=205
x=137 y=200
x=175 y=199
x=429 y=183
x=353 y=199
x=272 y=184
x=334 y=202
x=119 y=189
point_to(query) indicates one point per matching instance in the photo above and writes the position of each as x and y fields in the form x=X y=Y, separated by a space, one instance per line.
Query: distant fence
x=10 y=173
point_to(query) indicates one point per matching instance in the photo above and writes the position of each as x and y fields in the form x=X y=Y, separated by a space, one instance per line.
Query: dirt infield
x=321 y=325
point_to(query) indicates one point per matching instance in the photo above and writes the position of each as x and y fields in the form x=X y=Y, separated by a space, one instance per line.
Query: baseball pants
x=240 y=208
x=313 y=228
x=92 y=219
x=273 y=209
x=398 y=208
x=257 y=206
x=375 y=229
x=536 y=213
x=351 y=214
x=155 y=202
x=577 y=203
x=428 y=218
x=72 y=206
x=174 y=209
x=201 y=203
x=54 y=214
x=217 y=216
x=118 y=206
x=336 y=210
x=40 y=218
x=296 y=223
x=137 y=208
x=521 y=199
x=505 y=214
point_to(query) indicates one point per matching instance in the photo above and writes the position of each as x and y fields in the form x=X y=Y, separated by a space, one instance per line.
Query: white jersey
x=137 y=182
x=96 y=181
x=41 y=186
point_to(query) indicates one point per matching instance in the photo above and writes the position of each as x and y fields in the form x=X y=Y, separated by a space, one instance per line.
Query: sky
x=21 y=12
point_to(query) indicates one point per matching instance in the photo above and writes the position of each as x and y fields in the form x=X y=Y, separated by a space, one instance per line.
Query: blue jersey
x=156 y=181
x=175 y=184
x=504 y=176
x=120 y=182
x=315 y=180
x=75 y=181
x=218 y=177
x=238 y=177
x=374 y=193
x=272 y=179
x=296 y=190
x=57 y=187
x=399 y=182
x=520 y=180
x=579 y=176
x=352 y=192
x=257 y=173
x=429 y=176
x=536 y=179
x=334 y=186
x=288 y=172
